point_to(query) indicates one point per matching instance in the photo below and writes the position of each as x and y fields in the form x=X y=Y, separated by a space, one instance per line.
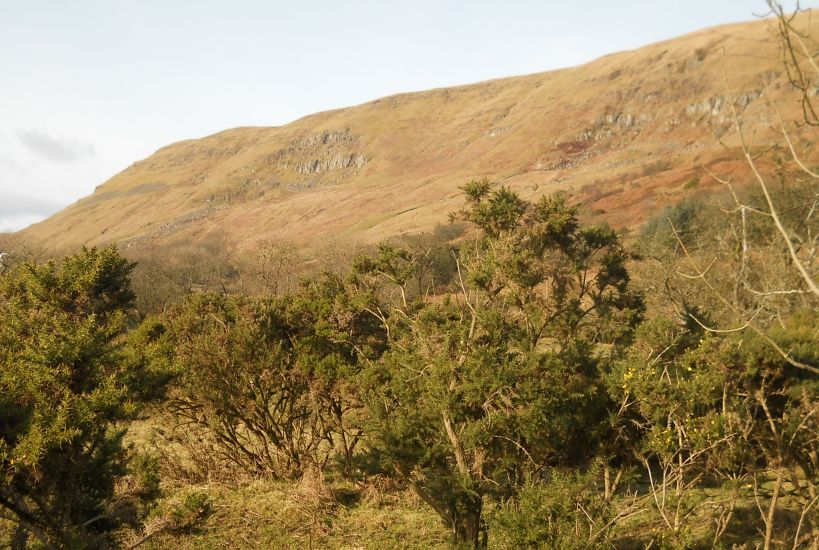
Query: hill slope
x=627 y=134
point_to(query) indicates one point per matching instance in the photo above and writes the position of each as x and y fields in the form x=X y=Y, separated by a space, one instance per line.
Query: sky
x=87 y=87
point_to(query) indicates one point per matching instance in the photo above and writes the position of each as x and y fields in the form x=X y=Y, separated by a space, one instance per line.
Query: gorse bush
x=528 y=397
x=564 y=511
x=522 y=383
x=273 y=379
x=501 y=379
x=63 y=391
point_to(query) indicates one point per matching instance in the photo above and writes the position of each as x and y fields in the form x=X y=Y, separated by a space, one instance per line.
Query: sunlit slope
x=626 y=134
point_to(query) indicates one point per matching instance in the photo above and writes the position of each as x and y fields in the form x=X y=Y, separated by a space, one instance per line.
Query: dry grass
x=311 y=512
x=306 y=514
x=585 y=126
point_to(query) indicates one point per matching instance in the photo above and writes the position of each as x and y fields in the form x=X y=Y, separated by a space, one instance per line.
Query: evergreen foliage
x=502 y=378
x=63 y=394
x=273 y=379
x=523 y=382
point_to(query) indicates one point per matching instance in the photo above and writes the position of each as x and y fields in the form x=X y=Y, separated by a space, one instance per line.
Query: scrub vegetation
x=522 y=377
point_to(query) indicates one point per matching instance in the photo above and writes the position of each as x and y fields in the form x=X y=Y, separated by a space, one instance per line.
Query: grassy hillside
x=523 y=377
x=627 y=134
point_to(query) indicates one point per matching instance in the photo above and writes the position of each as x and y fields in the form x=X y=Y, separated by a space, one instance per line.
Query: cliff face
x=626 y=135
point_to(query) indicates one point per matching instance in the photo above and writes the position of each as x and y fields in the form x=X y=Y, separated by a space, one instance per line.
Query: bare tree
x=757 y=301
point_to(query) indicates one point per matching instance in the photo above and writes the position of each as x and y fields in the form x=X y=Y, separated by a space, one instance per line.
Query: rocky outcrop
x=171 y=227
x=327 y=137
x=620 y=120
x=720 y=104
x=328 y=151
x=614 y=123
x=336 y=162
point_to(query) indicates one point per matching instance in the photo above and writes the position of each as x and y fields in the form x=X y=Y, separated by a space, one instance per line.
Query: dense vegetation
x=525 y=377
x=534 y=385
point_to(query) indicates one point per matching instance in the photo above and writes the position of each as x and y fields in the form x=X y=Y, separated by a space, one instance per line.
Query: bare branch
x=730 y=305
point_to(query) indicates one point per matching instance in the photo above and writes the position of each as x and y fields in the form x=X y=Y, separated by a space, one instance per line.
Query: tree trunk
x=20 y=539
x=769 y=522
x=468 y=528
x=609 y=485
x=457 y=447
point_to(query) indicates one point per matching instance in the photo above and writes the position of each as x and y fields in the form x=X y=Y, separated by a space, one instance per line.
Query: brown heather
x=624 y=134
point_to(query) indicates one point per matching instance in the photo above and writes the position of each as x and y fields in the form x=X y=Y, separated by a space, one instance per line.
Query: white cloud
x=45 y=146
x=18 y=211
x=11 y=223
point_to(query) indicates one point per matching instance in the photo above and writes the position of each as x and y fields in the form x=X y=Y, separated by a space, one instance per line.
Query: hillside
x=245 y=371
x=627 y=134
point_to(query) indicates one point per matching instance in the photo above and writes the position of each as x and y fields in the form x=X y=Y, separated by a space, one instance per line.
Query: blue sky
x=88 y=87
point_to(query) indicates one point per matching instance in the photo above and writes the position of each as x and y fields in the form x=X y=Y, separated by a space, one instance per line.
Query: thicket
x=70 y=383
x=536 y=383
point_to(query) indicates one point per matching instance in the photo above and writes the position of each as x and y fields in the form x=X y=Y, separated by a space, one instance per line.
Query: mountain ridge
x=624 y=133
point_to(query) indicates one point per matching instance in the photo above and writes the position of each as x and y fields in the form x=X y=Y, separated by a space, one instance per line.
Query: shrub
x=565 y=512
x=63 y=389
x=271 y=380
x=486 y=386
